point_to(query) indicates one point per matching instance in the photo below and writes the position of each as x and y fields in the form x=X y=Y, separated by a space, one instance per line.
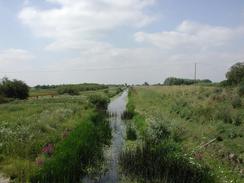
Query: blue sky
x=114 y=41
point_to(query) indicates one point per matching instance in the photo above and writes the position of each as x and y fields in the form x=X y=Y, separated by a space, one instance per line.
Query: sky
x=119 y=41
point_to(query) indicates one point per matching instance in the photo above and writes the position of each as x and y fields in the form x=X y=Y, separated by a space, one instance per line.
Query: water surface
x=115 y=109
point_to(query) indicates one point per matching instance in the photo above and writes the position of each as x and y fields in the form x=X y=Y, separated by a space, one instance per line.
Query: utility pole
x=195 y=73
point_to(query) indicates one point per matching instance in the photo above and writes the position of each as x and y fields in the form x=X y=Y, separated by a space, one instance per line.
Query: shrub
x=14 y=89
x=224 y=114
x=68 y=90
x=158 y=132
x=236 y=73
x=181 y=81
x=99 y=101
x=236 y=102
x=162 y=163
x=131 y=133
x=218 y=90
x=74 y=156
x=241 y=89
x=2 y=99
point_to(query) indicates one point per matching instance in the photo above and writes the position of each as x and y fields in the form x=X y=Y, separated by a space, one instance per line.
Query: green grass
x=195 y=115
x=27 y=126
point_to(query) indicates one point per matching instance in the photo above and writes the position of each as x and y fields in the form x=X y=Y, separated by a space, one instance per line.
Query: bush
x=181 y=81
x=78 y=153
x=131 y=133
x=14 y=89
x=68 y=90
x=236 y=73
x=236 y=102
x=2 y=99
x=224 y=114
x=99 y=101
x=162 y=163
x=241 y=89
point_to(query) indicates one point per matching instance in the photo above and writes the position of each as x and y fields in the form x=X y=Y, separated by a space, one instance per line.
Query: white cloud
x=14 y=55
x=191 y=35
x=78 y=25
x=75 y=21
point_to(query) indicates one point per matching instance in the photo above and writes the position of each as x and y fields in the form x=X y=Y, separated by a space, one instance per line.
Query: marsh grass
x=194 y=116
x=82 y=149
x=160 y=159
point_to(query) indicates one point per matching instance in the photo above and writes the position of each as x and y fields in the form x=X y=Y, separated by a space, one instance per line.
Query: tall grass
x=160 y=159
x=82 y=148
x=195 y=115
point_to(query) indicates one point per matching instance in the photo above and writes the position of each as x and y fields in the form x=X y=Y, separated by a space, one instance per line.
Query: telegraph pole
x=195 y=73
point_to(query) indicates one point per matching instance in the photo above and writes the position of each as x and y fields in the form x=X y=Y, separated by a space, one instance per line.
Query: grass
x=34 y=130
x=195 y=115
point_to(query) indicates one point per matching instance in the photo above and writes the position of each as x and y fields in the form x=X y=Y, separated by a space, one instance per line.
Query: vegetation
x=68 y=90
x=236 y=74
x=198 y=135
x=82 y=149
x=13 y=89
x=99 y=101
x=40 y=136
x=180 y=81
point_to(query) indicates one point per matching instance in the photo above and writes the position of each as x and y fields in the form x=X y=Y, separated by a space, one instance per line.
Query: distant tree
x=236 y=73
x=68 y=90
x=14 y=89
x=146 y=84
x=181 y=81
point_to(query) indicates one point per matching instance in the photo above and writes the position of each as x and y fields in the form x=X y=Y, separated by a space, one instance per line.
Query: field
x=47 y=127
x=206 y=124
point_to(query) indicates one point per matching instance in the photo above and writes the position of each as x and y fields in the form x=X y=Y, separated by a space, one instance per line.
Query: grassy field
x=42 y=129
x=207 y=123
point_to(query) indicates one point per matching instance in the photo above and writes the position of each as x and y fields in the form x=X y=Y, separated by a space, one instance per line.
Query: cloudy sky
x=119 y=41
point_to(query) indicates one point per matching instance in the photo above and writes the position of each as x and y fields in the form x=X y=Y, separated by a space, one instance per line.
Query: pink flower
x=48 y=149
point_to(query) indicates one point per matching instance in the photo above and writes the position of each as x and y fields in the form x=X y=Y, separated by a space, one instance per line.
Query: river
x=115 y=109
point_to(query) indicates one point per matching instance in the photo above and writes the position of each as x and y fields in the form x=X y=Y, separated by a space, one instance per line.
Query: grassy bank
x=205 y=122
x=35 y=134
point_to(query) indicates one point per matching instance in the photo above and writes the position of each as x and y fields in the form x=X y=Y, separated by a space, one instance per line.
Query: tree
x=236 y=73
x=14 y=89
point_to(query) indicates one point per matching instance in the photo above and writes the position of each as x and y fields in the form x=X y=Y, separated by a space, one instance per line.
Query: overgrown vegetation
x=13 y=89
x=236 y=74
x=156 y=156
x=180 y=81
x=82 y=149
x=42 y=135
x=201 y=128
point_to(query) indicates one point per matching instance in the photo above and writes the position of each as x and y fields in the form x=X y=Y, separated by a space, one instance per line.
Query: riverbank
x=33 y=130
x=204 y=122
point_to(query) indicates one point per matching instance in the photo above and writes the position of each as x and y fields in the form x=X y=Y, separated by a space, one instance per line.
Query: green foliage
x=131 y=132
x=180 y=81
x=236 y=102
x=14 y=89
x=225 y=83
x=224 y=114
x=194 y=115
x=99 y=101
x=68 y=90
x=161 y=159
x=241 y=89
x=82 y=148
x=236 y=73
x=79 y=87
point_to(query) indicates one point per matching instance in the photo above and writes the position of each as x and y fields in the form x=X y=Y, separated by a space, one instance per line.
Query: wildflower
x=48 y=149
